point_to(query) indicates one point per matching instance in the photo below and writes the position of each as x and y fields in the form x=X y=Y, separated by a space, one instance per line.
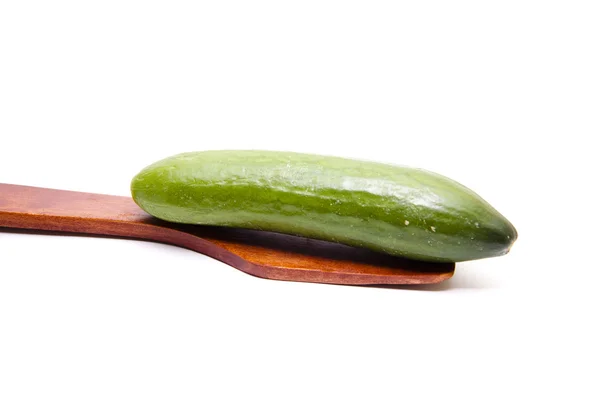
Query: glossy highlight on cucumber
x=392 y=209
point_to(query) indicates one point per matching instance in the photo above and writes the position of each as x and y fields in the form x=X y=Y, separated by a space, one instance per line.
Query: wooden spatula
x=264 y=254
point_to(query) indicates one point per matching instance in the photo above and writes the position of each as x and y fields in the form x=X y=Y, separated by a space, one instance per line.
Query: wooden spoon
x=264 y=254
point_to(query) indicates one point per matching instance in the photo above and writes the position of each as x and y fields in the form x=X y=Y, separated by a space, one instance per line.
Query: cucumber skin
x=397 y=210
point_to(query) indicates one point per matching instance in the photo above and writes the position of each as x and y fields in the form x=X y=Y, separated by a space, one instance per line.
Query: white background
x=502 y=96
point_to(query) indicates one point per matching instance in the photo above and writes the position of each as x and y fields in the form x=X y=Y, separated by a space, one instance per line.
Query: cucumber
x=392 y=209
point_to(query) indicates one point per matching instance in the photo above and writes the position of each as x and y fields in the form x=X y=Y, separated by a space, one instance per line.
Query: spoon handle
x=60 y=210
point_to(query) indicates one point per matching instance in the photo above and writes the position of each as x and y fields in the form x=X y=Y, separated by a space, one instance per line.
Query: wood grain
x=264 y=254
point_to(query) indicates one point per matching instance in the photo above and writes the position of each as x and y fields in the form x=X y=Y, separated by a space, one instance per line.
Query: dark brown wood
x=264 y=254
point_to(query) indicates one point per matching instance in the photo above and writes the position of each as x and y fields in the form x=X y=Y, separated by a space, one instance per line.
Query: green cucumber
x=387 y=208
